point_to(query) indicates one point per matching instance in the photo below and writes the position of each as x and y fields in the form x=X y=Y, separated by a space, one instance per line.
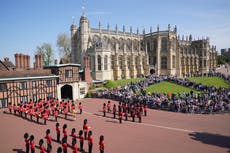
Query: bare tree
x=47 y=53
x=64 y=44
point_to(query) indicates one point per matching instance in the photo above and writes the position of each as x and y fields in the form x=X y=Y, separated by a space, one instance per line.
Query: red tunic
x=104 y=109
x=73 y=135
x=74 y=148
x=85 y=128
x=64 y=146
x=49 y=139
x=80 y=107
x=32 y=145
x=81 y=138
x=42 y=149
x=58 y=130
x=65 y=132
x=101 y=145
x=120 y=114
x=90 y=140
x=27 y=141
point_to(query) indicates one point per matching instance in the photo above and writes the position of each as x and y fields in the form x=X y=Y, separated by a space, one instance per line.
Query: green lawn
x=165 y=87
x=122 y=82
x=210 y=81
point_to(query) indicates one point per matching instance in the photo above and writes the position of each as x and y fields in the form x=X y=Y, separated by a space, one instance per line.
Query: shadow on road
x=19 y=150
x=212 y=139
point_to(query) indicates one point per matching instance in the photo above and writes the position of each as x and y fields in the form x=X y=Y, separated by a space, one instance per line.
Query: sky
x=26 y=24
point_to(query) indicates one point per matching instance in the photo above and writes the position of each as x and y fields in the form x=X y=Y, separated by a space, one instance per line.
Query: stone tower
x=84 y=36
x=73 y=29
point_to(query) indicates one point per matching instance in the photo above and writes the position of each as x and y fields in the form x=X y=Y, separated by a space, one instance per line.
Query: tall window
x=33 y=84
x=24 y=99
x=120 y=61
x=2 y=86
x=99 y=62
x=48 y=83
x=68 y=73
x=143 y=61
x=105 y=62
x=112 y=61
x=128 y=62
x=173 y=44
x=163 y=62
x=3 y=103
x=155 y=45
x=23 y=85
x=164 y=45
x=174 y=61
x=136 y=62
x=148 y=46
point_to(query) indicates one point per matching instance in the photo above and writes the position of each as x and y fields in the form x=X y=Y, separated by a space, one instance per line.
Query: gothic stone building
x=119 y=54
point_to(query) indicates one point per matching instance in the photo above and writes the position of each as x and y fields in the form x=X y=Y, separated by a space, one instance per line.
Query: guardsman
x=104 y=109
x=65 y=131
x=48 y=137
x=101 y=144
x=120 y=116
x=73 y=134
x=74 y=146
x=27 y=141
x=41 y=147
x=109 y=107
x=81 y=138
x=32 y=145
x=90 y=142
x=58 y=131
x=114 y=111
x=85 y=128
x=64 y=144
x=80 y=107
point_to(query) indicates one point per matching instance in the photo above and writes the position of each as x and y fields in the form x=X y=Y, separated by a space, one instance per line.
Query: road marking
x=151 y=125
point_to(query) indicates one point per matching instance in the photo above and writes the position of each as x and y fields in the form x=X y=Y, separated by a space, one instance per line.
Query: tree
x=47 y=53
x=64 y=45
x=222 y=59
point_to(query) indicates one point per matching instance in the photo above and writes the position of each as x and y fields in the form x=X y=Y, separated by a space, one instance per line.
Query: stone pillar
x=124 y=61
x=158 y=56
x=115 y=69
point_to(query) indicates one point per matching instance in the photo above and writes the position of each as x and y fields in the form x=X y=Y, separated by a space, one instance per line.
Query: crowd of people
x=44 y=109
x=211 y=99
x=125 y=110
x=84 y=135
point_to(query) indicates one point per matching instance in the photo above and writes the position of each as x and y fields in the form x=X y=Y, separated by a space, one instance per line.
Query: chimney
x=20 y=61
x=16 y=60
x=27 y=62
x=24 y=61
x=38 y=61
x=88 y=77
x=6 y=59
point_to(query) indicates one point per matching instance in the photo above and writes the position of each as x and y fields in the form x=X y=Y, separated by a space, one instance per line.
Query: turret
x=73 y=29
x=84 y=32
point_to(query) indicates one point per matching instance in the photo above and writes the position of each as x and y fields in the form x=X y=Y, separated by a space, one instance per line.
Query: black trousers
x=81 y=145
x=58 y=136
x=27 y=148
x=90 y=148
x=85 y=135
x=32 y=150
x=101 y=151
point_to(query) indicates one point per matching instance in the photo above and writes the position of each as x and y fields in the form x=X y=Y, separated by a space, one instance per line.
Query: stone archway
x=67 y=92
